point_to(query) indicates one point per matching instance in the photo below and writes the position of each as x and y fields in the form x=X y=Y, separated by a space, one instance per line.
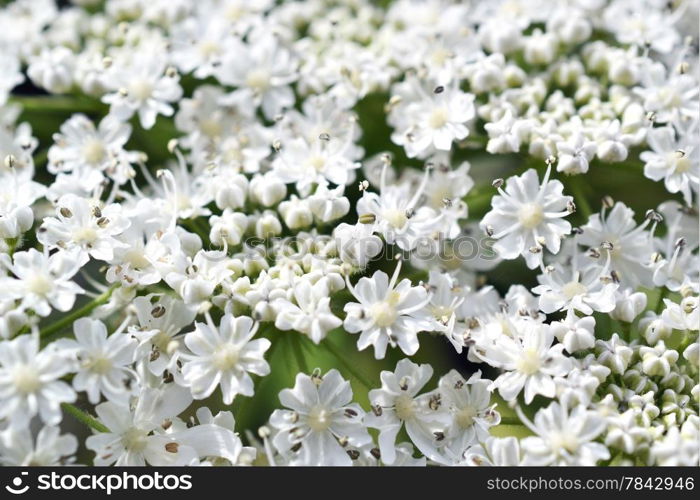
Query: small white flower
x=42 y=282
x=86 y=226
x=310 y=312
x=224 y=356
x=90 y=151
x=141 y=85
x=529 y=361
x=102 y=360
x=577 y=334
x=564 y=437
x=387 y=313
x=30 y=382
x=49 y=448
x=676 y=161
x=469 y=405
x=320 y=417
x=398 y=404
x=527 y=217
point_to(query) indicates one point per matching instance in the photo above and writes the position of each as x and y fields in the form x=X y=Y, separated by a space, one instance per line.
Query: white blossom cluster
x=234 y=188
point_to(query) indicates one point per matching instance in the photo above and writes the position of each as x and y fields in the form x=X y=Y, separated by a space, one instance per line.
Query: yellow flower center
x=529 y=362
x=530 y=215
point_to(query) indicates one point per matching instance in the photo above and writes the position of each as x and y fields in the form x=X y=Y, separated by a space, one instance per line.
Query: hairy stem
x=68 y=320
x=83 y=417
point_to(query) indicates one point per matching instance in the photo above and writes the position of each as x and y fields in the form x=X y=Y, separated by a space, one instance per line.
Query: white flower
x=507 y=134
x=140 y=436
x=564 y=437
x=325 y=159
x=586 y=290
x=356 y=244
x=310 y=312
x=397 y=404
x=160 y=319
x=89 y=151
x=629 y=245
x=229 y=227
x=529 y=361
x=53 y=69
x=503 y=452
x=471 y=412
x=676 y=161
x=262 y=70
x=141 y=85
x=526 y=217
x=577 y=334
x=320 y=421
x=395 y=215
x=42 y=282
x=224 y=356
x=433 y=120
x=678 y=446
x=672 y=96
x=102 y=361
x=575 y=154
x=683 y=316
x=84 y=225
x=50 y=448
x=387 y=313
x=328 y=204
x=30 y=382
x=11 y=75
x=16 y=216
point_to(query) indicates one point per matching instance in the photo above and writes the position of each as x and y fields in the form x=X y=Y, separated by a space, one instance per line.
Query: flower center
x=563 y=441
x=319 y=419
x=210 y=127
x=84 y=235
x=529 y=362
x=384 y=313
x=258 y=79
x=438 y=118
x=135 y=440
x=99 y=364
x=530 y=215
x=226 y=357
x=465 y=417
x=404 y=406
x=572 y=289
x=442 y=313
x=94 y=151
x=137 y=259
x=681 y=164
x=140 y=89
x=207 y=48
x=397 y=218
x=39 y=284
x=317 y=162
x=26 y=379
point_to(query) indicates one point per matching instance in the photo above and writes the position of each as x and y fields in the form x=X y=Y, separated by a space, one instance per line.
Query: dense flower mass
x=321 y=232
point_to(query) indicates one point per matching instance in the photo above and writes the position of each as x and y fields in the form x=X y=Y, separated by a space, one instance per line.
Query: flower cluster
x=201 y=202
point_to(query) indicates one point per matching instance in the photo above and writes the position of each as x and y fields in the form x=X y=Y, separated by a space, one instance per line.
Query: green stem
x=350 y=368
x=295 y=341
x=510 y=421
x=83 y=417
x=660 y=304
x=60 y=104
x=581 y=201
x=68 y=320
